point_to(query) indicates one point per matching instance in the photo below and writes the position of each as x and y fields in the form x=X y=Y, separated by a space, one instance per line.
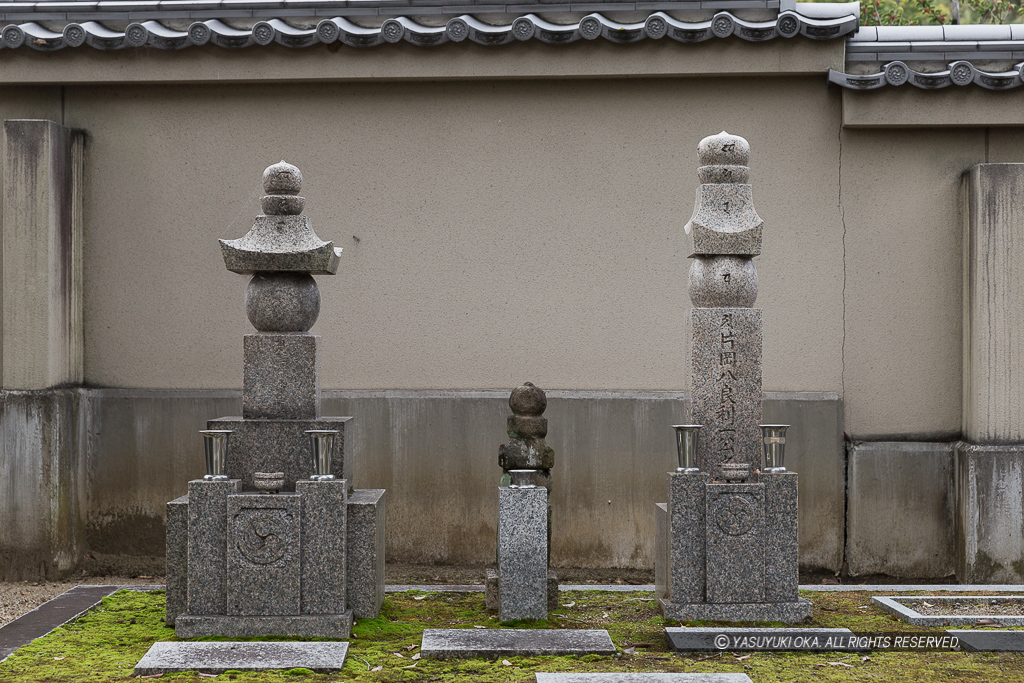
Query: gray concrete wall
x=437 y=455
x=901 y=508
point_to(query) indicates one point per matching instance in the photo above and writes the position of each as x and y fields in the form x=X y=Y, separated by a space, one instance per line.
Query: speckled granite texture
x=470 y=642
x=264 y=564
x=365 y=552
x=522 y=553
x=207 y=545
x=735 y=543
x=324 y=534
x=724 y=221
x=279 y=446
x=168 y=657
x=786 y=612
x=177 y=559
x=781 y=551
x=687 y=534
x=629 y=677
x=306 y=626
x=726 y=386
x=723 y=281
x=281 y=376
x=280 y=243
x=282 y=302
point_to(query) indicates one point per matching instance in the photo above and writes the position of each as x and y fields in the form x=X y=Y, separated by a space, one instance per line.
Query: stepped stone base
x=491 y=601
x=787 y=612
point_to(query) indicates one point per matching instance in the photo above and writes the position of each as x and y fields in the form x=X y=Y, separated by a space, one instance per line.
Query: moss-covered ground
x=104 y=645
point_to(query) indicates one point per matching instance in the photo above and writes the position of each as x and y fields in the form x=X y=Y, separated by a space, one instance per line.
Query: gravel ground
x=968 y=608
x=18 y=598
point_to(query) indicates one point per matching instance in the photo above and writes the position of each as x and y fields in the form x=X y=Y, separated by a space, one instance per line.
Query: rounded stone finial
x=282 y=302
x=528 y=400
x=723 y=150
x=282 y=178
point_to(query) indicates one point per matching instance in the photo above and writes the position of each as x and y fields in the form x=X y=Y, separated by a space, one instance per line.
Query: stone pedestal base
x=318 y=626
x=989 y=513
x=787 y=612
x=491 y=590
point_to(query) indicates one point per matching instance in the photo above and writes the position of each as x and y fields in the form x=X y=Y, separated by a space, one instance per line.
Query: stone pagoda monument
x=727 y=538
x=274 y=540
x=523 y=587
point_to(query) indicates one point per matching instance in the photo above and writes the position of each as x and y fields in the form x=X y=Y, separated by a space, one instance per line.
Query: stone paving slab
x=732 y=639
x=989 y=641
x=642 y=678
x=901 y=606
x=66 y=607
x=218 y=657
x=469 y=642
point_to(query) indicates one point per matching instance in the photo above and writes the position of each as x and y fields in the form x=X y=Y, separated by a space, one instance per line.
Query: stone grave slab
x=66 y=607
x=709 y=639
x=219 y=657
x=988 y=640
x=902 y=607
x=642 y=678
x=466 y=642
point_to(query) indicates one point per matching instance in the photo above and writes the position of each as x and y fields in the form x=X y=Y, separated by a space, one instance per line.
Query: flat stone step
x=989 y=641
x=469 y=642
x=902 y=607
x=731 y=639
x=218 y=657
x=642 y=678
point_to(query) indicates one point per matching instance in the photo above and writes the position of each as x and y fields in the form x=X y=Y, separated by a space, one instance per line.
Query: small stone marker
x=702 y=639
x=223 y=656
x=642 y=678
x=989 y=641
x=466 y=642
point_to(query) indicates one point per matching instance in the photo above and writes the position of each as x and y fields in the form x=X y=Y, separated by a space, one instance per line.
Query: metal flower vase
x=321 y=447
x=773 y=440
x=687 y=438
x=215 y=443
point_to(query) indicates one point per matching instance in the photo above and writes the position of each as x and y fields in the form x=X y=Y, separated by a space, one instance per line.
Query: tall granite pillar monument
x=727 y=538
x=275 y=540
x=522 y=587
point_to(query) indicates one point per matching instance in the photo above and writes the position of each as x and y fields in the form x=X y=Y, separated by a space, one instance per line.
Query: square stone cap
x=724 y=222
x=280 y=243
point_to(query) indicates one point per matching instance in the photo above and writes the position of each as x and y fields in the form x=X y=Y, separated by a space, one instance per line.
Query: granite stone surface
x=989 y=640
x=709 y=639
x=492 y=579
x=724 y=221
x=324 y=537
x=264 y=560
x=522 y=553
x=166 y=657
x=365 y=552
x=723 y=281
x=661 y=546
x=279 y=446
x=735 y=543
x=470 y=642
x=723 y=149
x=786 y=612
x=280 y=243
x=629 y=677
x=304 y=626
x=781 y=551
x=282 y=178
x=686 y=573
x=282 y=302
x=726 y=386
x=903 y=608
x=176 y=568
x=281 y=376
x=207 y=545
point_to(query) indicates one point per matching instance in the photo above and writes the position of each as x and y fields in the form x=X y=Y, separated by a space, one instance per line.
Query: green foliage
x=937 y=12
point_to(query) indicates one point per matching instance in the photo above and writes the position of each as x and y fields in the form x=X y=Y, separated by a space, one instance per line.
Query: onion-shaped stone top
x=723 y=150
x=528 y=400
x=281 y=239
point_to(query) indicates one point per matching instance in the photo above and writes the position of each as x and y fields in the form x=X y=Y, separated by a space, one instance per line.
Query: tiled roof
x=990 y=56
x=176 y=24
